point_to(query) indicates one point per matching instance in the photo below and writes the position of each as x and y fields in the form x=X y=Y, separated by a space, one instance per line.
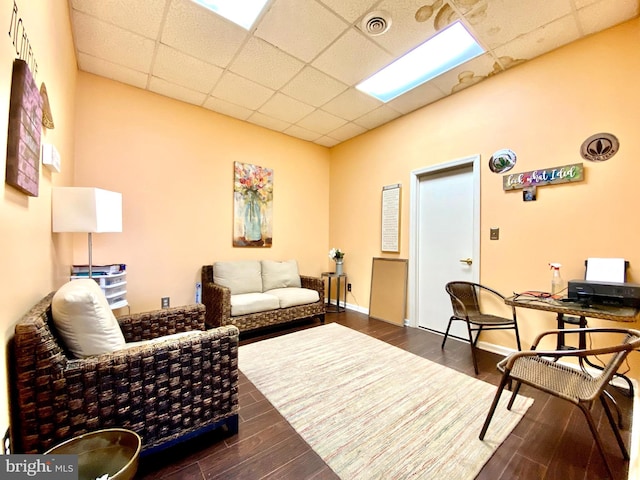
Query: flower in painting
x=253 y=181
x=336 y=254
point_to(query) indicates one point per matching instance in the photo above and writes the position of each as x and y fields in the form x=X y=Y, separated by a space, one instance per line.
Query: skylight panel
x=242 y=13
x=447 y=49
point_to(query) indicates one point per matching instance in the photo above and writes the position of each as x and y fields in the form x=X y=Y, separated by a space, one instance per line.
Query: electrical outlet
x=165 y=302
x=494 y=234
x=348 y=287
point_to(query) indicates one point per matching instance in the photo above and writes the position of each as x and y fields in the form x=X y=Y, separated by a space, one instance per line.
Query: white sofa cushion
x=86 y=323
x=246 y=303
x=241 y=276
x=292 y=296
x=279 y=274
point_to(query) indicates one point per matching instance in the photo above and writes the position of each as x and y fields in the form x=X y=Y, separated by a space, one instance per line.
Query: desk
x=339 y=276
x=605 y=312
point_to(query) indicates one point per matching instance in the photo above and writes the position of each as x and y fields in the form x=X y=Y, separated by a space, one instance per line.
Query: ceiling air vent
x=375 y=23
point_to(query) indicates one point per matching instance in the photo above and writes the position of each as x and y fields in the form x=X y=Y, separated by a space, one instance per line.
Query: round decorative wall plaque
x=599 y=147
x=502 y=161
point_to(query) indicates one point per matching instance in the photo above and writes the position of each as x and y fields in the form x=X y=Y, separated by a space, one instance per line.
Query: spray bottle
x=556 y=280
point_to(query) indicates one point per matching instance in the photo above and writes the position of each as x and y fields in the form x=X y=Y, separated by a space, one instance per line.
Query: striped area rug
x=374 y=411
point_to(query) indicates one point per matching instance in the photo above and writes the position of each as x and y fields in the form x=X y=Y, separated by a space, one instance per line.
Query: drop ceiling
x=295 y=71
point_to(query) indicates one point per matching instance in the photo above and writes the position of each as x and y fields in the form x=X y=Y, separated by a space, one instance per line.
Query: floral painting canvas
x=252 y=206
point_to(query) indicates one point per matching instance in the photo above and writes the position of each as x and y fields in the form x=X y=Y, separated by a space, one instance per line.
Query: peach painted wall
x=33 y=259
x=543 y=110
x=173 y=163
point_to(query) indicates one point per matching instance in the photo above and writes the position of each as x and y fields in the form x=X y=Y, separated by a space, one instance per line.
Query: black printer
x=604 y=293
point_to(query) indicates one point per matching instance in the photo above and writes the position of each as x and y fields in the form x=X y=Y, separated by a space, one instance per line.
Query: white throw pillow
x=242 y=276
x=279 y=274
x=84 y=320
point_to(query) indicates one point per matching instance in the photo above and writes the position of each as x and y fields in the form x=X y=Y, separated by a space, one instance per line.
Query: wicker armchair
x=217 y=300
x=541 y=370
x=165 y=391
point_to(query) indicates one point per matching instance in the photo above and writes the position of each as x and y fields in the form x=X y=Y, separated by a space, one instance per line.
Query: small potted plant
x=337 y=256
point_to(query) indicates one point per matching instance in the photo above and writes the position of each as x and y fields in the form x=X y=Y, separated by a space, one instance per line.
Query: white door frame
x=414 y=208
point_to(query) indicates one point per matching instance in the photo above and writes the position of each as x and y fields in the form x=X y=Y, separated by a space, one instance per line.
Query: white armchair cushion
x=246 y=303
x=292 y=296
x=241 y=276
x=84 y=320
x=279 y=274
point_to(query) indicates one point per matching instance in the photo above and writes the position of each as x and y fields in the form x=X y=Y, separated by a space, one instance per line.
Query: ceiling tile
x=201 y=33
x=268 y=122
x=467 y=74
x=106 y=69
x=112 y=44
x=172 y=90
x=605 y=13
x=406 y=32
x=321 y=122
x=227 y=108
x=539 y=41
x=499 y=21
x=377 y=117
x=418 y=97
x=351 y=104
x=584 y=3
x=327 y=141
x=241 y=91
x=347 y=131
x=352 y=58
x=285 y=108
x=351 y=10
x=179 y=68
x=303 y=133
x=313 y=87
x=265 y=64
x=137 y=17
x=302 y=29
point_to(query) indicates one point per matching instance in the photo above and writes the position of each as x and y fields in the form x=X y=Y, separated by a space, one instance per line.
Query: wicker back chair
x=164 y=391
x=466 y=308
x=541 y=370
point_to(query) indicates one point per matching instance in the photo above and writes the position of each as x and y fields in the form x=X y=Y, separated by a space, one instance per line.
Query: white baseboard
x=355 y=308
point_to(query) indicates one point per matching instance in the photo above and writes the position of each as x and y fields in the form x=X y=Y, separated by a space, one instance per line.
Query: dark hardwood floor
x=552 y=441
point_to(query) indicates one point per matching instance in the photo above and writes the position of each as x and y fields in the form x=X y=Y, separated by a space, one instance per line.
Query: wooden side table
x=336 y=308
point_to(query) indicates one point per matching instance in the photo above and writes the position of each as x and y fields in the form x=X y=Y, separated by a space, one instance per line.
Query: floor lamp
x=86 y=210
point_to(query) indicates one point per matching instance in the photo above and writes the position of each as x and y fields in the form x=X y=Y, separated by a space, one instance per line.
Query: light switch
x=494 y=234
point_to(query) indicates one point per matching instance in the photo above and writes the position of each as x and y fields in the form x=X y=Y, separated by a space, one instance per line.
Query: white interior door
x=446 y=238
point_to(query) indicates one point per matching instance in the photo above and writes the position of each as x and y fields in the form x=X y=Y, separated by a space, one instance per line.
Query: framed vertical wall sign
x=23 y=136
x=390 y=239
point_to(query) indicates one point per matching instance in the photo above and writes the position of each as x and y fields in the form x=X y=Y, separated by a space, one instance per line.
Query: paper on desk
x=605 y=270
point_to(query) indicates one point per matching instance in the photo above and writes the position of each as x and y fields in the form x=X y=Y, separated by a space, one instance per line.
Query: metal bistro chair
x=541 y=369
x=466 y=308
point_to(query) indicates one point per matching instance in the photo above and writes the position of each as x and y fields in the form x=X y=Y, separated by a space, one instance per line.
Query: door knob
x=468 y=261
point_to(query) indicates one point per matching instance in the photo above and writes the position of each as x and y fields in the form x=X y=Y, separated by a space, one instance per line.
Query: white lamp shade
x=86 y=209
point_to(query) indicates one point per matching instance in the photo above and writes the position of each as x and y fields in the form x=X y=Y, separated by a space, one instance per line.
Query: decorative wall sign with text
x=25 y=128
x=546 y=176
x=390 y=239
x=599 y=147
